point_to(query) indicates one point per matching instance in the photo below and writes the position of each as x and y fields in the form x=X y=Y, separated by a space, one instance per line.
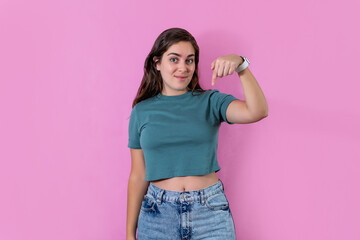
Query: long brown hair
x=152 y=83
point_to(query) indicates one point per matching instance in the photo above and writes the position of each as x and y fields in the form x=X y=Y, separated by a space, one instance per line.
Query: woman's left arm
x=255 y=106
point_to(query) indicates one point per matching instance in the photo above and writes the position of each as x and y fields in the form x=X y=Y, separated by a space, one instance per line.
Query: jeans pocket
x=148 y=204
x=218 y=201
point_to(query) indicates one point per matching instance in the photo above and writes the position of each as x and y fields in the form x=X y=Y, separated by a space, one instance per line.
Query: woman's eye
x=171 y=59
x=190 y=60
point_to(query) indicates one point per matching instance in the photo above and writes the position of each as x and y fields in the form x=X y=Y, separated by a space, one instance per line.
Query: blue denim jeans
x=173 y=215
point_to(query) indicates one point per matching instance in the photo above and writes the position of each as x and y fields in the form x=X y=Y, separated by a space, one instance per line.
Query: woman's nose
x=182 y=66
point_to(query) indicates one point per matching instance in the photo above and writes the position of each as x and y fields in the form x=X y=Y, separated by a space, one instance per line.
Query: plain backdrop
x=70 y=69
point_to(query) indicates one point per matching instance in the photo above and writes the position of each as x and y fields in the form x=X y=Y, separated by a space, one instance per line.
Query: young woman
x=173 y=190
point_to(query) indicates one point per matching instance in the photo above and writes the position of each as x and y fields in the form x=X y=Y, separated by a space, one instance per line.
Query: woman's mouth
x=180 y=78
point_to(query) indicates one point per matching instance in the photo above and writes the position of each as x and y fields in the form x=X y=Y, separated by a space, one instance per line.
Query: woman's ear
x=157 y=62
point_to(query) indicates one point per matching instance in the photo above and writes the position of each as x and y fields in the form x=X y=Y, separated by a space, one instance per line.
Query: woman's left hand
x=224 y=66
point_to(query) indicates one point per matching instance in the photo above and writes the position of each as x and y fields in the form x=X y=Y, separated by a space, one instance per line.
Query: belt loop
x=159 y=196
x=222 y=185
x=202 y=196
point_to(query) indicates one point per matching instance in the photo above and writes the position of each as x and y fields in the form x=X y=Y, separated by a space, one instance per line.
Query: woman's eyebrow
x=190 y=55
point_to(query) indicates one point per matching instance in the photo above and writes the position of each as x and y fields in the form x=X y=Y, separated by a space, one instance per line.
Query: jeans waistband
x=184 y=196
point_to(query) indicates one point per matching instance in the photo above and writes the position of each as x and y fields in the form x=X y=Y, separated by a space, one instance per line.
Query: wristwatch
x=244 y=65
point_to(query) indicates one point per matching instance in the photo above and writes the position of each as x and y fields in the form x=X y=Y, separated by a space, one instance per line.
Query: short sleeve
x=219 y=102
x=134 y=133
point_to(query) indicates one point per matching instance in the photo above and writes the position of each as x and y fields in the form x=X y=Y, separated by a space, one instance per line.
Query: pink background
x=69 y=71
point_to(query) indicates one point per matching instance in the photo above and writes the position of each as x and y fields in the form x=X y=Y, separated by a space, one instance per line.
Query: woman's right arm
x=137 y=187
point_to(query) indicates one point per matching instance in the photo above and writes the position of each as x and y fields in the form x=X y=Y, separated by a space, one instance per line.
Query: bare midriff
x=187 y=183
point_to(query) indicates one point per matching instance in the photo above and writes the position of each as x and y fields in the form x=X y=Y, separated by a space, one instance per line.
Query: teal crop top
x=179 y=134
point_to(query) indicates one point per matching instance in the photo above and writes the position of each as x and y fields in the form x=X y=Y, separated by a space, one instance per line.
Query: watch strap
x=244 y=65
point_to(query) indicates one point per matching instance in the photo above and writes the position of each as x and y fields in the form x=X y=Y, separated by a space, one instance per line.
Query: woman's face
x=177 y=67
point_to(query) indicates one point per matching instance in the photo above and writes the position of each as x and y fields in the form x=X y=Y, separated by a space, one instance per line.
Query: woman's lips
x=181 y=78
